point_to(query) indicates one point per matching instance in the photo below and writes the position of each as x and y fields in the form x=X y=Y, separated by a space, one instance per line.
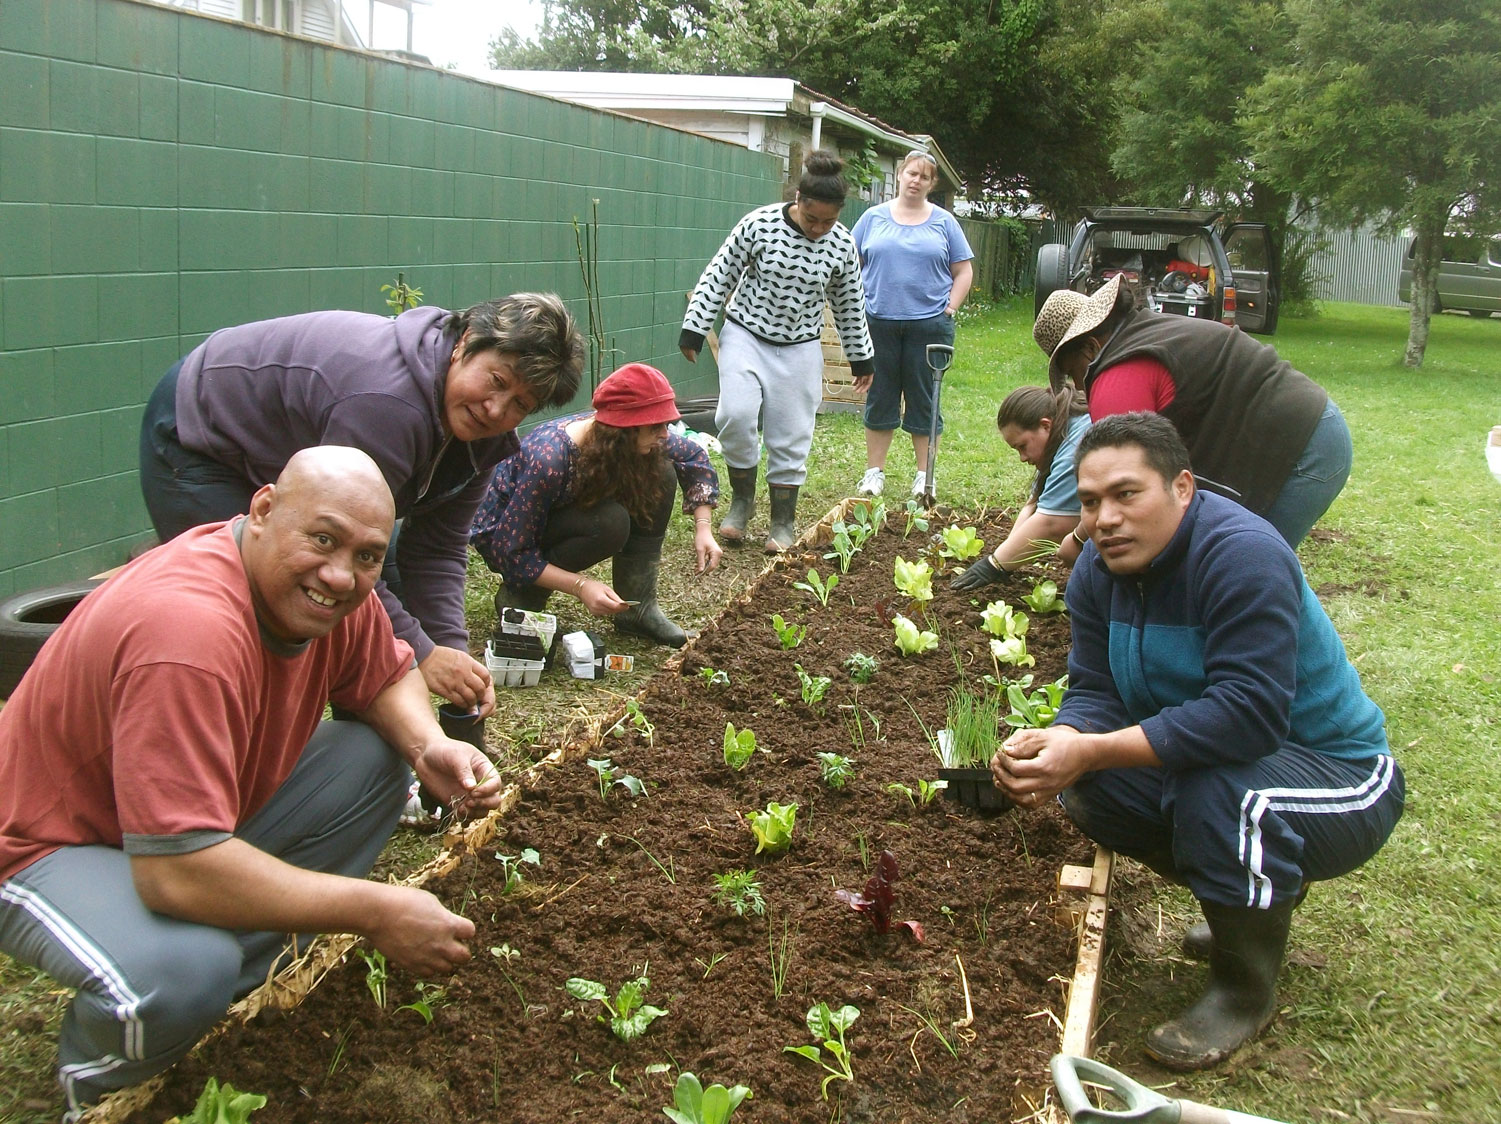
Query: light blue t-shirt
x=1060 y=495
x=906 y=268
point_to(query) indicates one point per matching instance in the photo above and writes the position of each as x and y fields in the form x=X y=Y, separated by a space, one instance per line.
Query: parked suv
x=1186 y=262
x=1469 y=277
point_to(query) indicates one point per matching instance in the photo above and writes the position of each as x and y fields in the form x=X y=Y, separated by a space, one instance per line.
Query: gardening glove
x=981 y=572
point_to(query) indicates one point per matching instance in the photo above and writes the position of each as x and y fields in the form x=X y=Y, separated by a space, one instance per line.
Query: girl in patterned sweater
x=771 y=278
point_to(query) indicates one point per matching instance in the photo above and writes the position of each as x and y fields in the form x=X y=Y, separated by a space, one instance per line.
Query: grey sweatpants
x=150 y=986
x=783 y=385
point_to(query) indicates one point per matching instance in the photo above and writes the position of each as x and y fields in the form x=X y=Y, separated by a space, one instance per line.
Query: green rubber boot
x=742 y=506
x=635 y=579
x=783 y=531
x=1240 y=1000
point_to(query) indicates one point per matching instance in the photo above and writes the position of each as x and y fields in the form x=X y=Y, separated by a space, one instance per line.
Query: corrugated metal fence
x=1359 y=265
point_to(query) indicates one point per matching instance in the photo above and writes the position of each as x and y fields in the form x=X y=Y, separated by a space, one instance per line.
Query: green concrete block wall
x=165 y=174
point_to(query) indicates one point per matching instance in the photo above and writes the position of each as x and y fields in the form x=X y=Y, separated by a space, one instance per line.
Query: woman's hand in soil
x=460 y=678
x=1032 y=765
x=600 y=599
x=418 y=934
x=706 y=548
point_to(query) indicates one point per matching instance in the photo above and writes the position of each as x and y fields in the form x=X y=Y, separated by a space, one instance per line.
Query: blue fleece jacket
x=1219 y=651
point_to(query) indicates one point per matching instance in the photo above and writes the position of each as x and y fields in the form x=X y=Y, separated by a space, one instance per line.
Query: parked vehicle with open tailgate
x=1189 y=263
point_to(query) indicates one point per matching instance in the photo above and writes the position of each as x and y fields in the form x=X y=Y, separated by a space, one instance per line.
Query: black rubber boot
x=635 y=579
x=1198 y=940
x=532 y=598
x=1240 y=1000
x=783 y=531
x=742 y=506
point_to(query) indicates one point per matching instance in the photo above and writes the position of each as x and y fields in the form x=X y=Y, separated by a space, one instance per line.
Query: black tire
x=27 y=620
x=1052 y=273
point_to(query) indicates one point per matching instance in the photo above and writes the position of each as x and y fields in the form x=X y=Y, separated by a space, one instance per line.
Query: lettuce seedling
x=1012 y=651
x=629 y=1016
x=773 y=828
x=814 y=686
x=1000 y=619
x=817 y=586
x=739 y=746
x=862 y=668
x=879 y=897
x=1044 y=598
x=915 y=579
x=912 y=640
x=221 y=1104
x=961 y=543
x=835 y=769
x=693 y=1104
x=739 y=892
x=713 y=678
x=1037 y=710
x=790 y=635
x=828 y=1026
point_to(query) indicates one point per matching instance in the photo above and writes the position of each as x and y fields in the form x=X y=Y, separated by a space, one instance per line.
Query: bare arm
x=403 y=715
x=1030 y=528
x=964 y=277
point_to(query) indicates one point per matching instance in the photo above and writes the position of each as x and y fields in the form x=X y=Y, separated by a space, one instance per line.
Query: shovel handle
x=1143 y=1105
x=940 y=356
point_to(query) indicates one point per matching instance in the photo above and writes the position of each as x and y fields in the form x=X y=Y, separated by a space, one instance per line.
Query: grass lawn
x=1391 y=1000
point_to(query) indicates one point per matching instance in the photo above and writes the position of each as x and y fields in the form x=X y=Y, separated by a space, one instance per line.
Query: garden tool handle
x=1143 y=1105
x=940 y=356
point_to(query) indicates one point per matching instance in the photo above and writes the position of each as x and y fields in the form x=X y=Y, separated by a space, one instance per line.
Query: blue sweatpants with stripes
x=149 y=986
x=1246 y=834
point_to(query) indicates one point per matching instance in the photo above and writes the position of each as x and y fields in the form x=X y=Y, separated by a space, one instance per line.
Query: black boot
x=532 y=598
x=742 y=506
x=635 y=579
x=1198 y=940
x=1240 y=1000
x=783 y=531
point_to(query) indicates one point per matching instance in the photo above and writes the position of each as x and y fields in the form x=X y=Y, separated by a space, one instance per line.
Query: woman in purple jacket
x=433 y=396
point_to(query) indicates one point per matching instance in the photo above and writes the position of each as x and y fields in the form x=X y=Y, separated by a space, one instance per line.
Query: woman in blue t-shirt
x=917 y=268
x=1051 y=514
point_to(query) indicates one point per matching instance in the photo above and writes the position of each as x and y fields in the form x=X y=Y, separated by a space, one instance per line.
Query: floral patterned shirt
x=527 y=486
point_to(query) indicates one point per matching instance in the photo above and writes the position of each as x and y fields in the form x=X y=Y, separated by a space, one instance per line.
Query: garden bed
x=624 y=885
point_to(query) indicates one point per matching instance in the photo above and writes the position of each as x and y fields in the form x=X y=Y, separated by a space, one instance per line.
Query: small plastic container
x=516 y=659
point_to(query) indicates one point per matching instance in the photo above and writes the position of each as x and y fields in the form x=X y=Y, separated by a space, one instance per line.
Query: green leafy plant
x=401 y=297
x=1011 y=651
x=910 y=639
x=1037 y=710
x=842 y=546
x=693 y=1104
x=713 y=678
x=429 y=996
x=960 y=543
x=221 y=1104
x=817 y=586
x=916 y=519
x=610 y=775
x=862 y=668
x=915 y=579
x=1044 y=598
x=511 y=866
x=790 y=635
x=865 y=520
x=1000 y=619
x=828 y=1028
x=773 y=828
x=739 y=892
x=973 y=723
x=814 y=687
x=922 y=797
x=739 y=746
x=376 y=974
x=636 y=718
x=835 y=769
x=629 y=1015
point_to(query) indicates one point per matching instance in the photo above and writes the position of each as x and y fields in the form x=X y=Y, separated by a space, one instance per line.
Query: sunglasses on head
x=919 y=154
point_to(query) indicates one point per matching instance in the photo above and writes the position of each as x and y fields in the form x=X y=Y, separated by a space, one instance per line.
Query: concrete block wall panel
x=165 y=174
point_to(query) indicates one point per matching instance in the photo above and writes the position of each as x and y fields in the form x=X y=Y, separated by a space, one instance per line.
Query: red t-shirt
x=155 y=718
x=1137 y=384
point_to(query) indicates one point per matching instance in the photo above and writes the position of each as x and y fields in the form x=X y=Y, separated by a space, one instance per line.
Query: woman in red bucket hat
x=593 y=486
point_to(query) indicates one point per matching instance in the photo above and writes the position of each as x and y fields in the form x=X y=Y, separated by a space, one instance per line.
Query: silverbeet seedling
x=827 y=1027
x=693 y=1104
x=610 y=775
x=629 y=1015
x=814 y=687
x=789 y=635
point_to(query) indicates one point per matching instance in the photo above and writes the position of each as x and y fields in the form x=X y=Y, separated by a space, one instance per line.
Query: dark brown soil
x=508 y=1044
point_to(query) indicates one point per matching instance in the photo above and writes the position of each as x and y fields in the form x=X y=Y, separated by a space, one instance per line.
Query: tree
x=1388 y=110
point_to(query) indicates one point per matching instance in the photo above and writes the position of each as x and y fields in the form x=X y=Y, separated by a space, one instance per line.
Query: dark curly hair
x=821 y=178
x=609 y=468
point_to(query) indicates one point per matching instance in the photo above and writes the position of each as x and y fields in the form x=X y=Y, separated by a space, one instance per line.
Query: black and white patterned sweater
x=776 y=282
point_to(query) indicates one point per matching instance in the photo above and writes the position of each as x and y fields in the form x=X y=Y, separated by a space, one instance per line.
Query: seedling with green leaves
x=835 y=769
x=960 y=543
x=773 y=828
x=925 y=794
x=510 y=865
x=739 y=892
x=629 y=1015
x=973 y=722
x=1044 y=598
x=818 y=586
x=911 y=640
x=221 y=1104
x=842 y=546
x=609 y=775
x=739 y=746
x=814 y=687
x=916 y=518
x=693 y=1104
x=828 y=1027
x=862 y=668
x=429 y=996
x=915 y=579
x=376 y=974
x=713 y=678
x=1037 y=710
x=790 y=635
x=636 y=718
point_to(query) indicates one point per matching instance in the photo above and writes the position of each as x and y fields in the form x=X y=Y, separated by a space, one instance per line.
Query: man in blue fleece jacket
x=1213 y=727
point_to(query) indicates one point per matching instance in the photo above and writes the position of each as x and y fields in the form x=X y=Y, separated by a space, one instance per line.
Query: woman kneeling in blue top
x=1026 y=421
x=594 y=486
